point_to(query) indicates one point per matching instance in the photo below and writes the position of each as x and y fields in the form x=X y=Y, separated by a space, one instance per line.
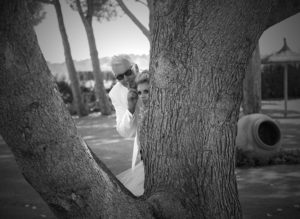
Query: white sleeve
x=126 y=122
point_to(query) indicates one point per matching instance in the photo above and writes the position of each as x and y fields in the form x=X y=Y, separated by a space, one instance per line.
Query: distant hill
x=59 y=70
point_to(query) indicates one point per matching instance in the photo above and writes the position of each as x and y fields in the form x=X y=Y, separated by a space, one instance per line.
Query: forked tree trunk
x=200 y=50
x=252 y=85
x=77 y=98
x=41 y=133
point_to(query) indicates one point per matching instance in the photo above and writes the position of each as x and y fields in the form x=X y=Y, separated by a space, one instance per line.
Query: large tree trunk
x=200 y=50
x=41 y=133
x=252 y=85
x=77 y=98
x=197 y=67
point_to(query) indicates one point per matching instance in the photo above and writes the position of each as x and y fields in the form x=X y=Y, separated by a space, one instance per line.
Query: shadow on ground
x=268 y=192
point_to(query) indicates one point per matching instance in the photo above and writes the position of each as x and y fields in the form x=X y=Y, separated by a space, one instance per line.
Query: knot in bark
x=167 y=205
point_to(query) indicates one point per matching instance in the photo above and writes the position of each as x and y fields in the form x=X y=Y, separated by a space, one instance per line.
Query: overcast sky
x=120 y=35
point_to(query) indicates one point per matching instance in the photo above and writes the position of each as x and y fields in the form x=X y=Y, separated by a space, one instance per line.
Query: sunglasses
x=144 y=92
x=120 y=77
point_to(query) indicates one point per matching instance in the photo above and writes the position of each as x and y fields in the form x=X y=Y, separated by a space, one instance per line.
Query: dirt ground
x=266 y=192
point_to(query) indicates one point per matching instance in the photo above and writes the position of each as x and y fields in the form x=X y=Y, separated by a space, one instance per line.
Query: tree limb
x=80 y=11
x=145 y=31
x=90 y=11
x=58 y=164
x=45 y=1
x=281 y=10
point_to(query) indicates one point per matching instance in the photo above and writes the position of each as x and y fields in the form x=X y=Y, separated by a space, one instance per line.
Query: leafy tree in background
x=36 y=9
x=187 y=137
x=101 y=9
x=77 y=98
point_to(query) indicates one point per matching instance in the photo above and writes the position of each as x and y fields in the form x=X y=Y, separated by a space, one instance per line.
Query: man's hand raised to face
x=132 y=98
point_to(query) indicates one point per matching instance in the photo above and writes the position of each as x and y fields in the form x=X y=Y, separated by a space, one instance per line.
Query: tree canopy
x=100 y=9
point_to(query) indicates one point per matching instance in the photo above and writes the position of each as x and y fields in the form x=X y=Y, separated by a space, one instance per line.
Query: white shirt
x=126 y=122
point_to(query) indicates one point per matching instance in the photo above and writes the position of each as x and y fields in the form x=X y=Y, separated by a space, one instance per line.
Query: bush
x=66 y=91
x=254 y=159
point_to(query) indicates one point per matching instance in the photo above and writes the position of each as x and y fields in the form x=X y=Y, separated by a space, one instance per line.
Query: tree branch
x=79 y=8
x=90 y=11
x=60 y=166
x=144 y=30
x=281 y=10
x=45 y=1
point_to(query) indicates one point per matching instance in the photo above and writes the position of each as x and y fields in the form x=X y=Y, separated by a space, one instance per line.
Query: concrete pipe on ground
x=258 y=133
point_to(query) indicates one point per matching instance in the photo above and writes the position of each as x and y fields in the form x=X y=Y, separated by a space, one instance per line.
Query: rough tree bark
x=252 y=85
x=102 y=99
x=199 y=53
x=200 y=50
x=77 y=98
x=41 y=133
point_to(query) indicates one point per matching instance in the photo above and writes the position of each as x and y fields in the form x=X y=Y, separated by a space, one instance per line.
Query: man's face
x=119 y=71
x=124 y=75
x=129 y=77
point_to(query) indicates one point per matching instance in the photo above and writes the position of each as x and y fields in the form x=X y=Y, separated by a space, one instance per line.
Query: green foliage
x=272 y=82
x=101 y=9
x=254 y=159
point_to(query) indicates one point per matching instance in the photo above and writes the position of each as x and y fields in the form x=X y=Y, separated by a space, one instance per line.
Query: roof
x=284 y=55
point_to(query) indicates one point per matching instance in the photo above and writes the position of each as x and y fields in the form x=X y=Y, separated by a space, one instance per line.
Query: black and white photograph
x=140 y=109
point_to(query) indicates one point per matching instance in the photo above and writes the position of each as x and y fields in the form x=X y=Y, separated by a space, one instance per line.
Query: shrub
x=66 y=91
x=254 y=159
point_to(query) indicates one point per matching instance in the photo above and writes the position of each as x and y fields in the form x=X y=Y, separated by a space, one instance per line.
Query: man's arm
x=126 y=121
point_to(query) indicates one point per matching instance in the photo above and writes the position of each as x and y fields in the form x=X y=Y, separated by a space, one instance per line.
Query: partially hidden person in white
x=124 y=99
x=124 y=96
x=134 y=179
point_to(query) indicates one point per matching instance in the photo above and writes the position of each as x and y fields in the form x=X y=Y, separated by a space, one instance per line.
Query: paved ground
x=268 y=192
